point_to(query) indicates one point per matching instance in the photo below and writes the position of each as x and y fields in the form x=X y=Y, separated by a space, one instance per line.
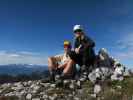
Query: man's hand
x=77 y=50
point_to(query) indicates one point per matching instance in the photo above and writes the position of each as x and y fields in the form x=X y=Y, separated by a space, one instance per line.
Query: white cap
x=77 y=27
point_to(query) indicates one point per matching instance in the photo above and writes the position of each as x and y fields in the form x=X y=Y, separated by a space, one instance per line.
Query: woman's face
x=67 y=48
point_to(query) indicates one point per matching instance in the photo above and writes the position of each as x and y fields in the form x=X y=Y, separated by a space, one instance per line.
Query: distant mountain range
x=14 y=69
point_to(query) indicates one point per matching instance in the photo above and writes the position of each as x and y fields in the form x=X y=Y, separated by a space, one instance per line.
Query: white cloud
x=124 y=49
x=124 y=55
x=126 y=42
x=14 y=55
x=22 y=57
x=28 y=53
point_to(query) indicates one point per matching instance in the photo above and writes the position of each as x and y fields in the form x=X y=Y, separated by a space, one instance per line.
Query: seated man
x=62 y=62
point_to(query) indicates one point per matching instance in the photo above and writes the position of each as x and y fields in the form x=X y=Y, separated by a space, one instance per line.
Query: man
x=61 y=62
x=83 y=53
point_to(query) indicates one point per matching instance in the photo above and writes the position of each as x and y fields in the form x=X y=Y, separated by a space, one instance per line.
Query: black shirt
x=84 y=42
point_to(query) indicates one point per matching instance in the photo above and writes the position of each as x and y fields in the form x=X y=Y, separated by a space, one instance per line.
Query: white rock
x=57 y=77
x=23 y=92
x=53 y=85
x=32 y=86
x=116 y=78
x=78 y=83
x=51 y=98
x=82 y=79
x=97 y=88
x=29 y=82
x=71 y=86
x=6 y=85
x=93 y=95
x=1 y=91
x=47 y=84
x=102 y=73
x=45 y=97
x=9 y=94
x=118 y=73
x=18 y=84
x=17 y=88
x=36 y=99
x=66 y=82
x=18 y=94
x=76 y=98
x=126 y=73
x=119 y=87
x=119 y=70
x=92 y=77
x=36 y=88
x=28 y=96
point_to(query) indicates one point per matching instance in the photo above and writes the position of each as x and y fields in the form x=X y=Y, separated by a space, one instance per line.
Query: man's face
x=78 y=33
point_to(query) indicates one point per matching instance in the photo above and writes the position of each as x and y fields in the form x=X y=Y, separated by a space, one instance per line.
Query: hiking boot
x=58 y=81
x=83 y=68
x=49 y=79
x=66 y=76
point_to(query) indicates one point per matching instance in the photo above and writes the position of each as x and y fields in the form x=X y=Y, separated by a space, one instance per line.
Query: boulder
x=29 y=96
x=97 y=89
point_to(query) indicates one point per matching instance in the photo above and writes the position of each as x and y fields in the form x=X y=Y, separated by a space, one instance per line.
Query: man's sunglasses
x=79 y=30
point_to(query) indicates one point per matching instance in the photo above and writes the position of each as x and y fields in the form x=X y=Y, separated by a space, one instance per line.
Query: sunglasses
x=67 y=46
x=79 y=30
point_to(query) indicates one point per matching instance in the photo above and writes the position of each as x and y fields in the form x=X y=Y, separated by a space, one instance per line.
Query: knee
x=49 y=59
x=71 y=62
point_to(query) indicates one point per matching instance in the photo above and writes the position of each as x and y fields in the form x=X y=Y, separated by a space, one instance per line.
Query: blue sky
x=32 y=30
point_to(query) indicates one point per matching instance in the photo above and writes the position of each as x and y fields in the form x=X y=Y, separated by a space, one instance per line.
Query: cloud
x=124 y=49
x=126 y=42
x=28 y=53
x=22 y=57
x=14 y=55
x=124 y=55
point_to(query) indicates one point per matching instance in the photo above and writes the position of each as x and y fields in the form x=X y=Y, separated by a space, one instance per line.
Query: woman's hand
x=62 y=65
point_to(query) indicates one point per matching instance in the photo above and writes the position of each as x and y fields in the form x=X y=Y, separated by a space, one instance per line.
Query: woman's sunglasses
x=67 y=46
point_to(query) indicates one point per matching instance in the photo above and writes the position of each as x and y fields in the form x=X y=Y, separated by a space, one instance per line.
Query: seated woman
x=62 y=62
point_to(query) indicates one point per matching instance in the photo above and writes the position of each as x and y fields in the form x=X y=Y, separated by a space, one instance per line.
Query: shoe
x=49 y=79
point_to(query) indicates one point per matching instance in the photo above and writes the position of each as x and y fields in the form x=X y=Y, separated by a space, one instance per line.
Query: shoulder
x=87 y=38
x=59 y=55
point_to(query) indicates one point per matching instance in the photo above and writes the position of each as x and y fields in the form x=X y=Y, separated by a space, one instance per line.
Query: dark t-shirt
x=84 y=42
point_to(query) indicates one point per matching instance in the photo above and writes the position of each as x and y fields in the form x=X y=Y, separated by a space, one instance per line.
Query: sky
x=33 y=30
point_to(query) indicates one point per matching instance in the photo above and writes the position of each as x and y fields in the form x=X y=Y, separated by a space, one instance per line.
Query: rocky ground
x=69 y=90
